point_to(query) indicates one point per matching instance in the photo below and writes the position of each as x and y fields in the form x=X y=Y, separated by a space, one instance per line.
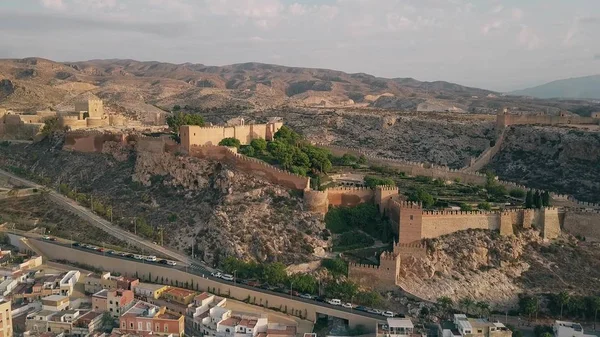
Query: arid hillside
x=565 y=160
x=139 y=88
x=222 y=211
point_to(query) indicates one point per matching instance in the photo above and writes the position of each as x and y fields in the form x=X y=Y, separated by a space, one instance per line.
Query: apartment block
x=6 y=327
x=463 y=326
x=146 y=318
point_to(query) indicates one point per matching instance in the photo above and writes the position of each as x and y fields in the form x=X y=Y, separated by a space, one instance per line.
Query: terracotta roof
x=231 y=321
x=288 y=331
x=202 y=297
x=179 y=292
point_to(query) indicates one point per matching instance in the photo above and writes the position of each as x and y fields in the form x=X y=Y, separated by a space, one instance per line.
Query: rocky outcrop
x=197 y=202
x=6 y=88
x=564 y=160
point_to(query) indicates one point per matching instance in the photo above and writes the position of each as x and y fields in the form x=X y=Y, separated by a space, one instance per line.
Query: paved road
x=105 y=225
x=199 y=271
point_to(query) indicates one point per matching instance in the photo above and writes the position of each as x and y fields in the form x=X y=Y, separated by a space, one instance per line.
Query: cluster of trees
x=468 y=305
x=352 y=240
x=537 y=199
x=420 y=195
x=372 y=181
x=179 y=118
x=290 y=151
x=561 y=305
x=275 y=274
x=51 y=125
x=348 y=159
x=364 y=217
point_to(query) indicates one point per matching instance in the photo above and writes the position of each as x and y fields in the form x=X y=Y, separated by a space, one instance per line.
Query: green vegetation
x=517 y=193
x=275 y=274
x=51 y=125
x=290 y=151
x=485 y=206
x=537 y=199
x=364 y=217
x=352 y=240
x=179 y=118
x=230 y=142
x=419 y=195
x=372 y=181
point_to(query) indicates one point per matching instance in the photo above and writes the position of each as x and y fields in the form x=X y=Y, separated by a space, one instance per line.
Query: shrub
x=372 y=181
x=484 y=206
x=230 y=142
x=517 y=193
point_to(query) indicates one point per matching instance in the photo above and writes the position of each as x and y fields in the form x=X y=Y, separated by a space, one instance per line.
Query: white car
x=227 y=277
x=216 y=274
x=151 y=258
x=348 y=305
x=388 y=314
x=171 y=263
x=138 y=257
x=307 y=296
x=334 y=301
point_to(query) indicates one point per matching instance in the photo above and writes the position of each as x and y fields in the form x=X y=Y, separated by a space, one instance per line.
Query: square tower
x=94 y=108
x=410 y=222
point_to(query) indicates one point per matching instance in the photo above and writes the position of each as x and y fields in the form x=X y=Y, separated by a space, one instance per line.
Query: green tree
x=466 y=303
x=362 y=159
x=546 y=198
x=465 y=207
x=419 y=195
x=230 y=142
x=304 y=283
x=51 y=125
x=176 y=107
x=274 y=273
x=335 y=266
x=529 y=199
x=484 y=206
x=259 y=145
x=537 y=200
x=517 y=193
x=562 y=298
x=445 y=304
x=594 y=304
x=528 y=305
x=372 y=181
x=287 y=135
x=483 y=308
x=178 y=119
x=107 y=321
x=248 y=151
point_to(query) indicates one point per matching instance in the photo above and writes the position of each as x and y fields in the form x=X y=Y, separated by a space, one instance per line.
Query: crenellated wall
x=505 y=119
x=90 y=141
x=584 y=224
x=381 y=277
x=192 y=135
x=436 y=224
x=316 y=201
x=349 y=196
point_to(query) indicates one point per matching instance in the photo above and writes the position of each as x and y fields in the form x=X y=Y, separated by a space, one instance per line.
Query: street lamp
x=291 y=285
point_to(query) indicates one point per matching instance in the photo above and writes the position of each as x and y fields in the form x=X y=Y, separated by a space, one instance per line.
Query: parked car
x=151 y=258
x=388 y=314
x=162 y=261
x=254 y=283
x=138 y=257
x=113 y=252
x=375 y=311
x=171 y=263
x=76 y=244
x=362 y=308
x=307 y=296
x=100 y=249
x=347 y=305
x=227 y=277
x=216 y=274
x=334 y=301
x=293 y=293
x=48 y=238
x=129 y=255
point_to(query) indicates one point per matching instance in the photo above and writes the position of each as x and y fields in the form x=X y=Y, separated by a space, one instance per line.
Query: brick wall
x=349 y=196
x=195 y=135
x=436 y=224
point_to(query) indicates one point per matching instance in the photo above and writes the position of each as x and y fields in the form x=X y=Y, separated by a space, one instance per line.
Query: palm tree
x=466 y=303
x=483 y=307
x=562 y=298
x=445 y=304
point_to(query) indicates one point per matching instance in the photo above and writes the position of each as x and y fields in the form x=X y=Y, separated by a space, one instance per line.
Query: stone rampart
x=436 y=224
x=551 y=223
x=316 y=201
x=583 y=224
x=251 y=166
x=192 y=135
x=150 y=144
x=416 y=249
x=486 y=156
x=349 y=196
x=90 y=141
x=96 y=122
x=506 y=119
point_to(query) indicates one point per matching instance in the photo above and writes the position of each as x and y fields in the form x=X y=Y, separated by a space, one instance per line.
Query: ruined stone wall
x=72 y=121
x=583 y=224
x=251 y=166
x=349 y=196
x=371 y=276
x=436 y=223
x=504 y=120
x=90 y=141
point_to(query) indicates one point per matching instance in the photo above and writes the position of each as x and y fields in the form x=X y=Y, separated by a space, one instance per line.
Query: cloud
x=528 y=38
x=597 y=57
x=54 y=4
x=297 y=9
x=517 y=14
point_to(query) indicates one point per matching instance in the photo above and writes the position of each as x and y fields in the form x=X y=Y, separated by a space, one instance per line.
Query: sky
x=493 y=44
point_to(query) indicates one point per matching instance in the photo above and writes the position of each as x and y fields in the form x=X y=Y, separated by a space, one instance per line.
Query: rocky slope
x=487 y=267
x=224 y=212
x=565 y=160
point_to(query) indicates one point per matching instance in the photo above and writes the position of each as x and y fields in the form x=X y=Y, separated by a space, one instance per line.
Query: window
x=140 y=326
x=149 y=326
x=166 y=327
x=110 y=309
x=411 y=217
x=123 y=325
x=110 y=302
x=157 y=327
x=479 y=331
x=131 y=325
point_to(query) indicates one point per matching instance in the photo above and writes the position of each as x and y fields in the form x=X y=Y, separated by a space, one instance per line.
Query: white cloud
x=517 y=14
x=528 y=38
x=397 y=22
x=297 y=9
x=54 y=4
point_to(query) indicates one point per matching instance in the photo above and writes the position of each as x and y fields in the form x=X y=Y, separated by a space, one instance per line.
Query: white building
x=67 y=283
x=569 y=329
x=397 y=327
x=8 y=285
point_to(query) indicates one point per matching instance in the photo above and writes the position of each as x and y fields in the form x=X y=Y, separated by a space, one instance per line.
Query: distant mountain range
x=587 y=87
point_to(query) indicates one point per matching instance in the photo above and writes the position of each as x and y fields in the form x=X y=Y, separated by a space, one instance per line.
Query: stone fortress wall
x=505 y=119
x=192 y=135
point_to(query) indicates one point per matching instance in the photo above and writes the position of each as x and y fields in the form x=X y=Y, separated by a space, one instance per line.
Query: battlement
x=408 y=204
x=386 y=188
x=85 y=133
x=387 y=256
x=451 y=213
x=349 y=188
x=363 y=266
x=418 y=245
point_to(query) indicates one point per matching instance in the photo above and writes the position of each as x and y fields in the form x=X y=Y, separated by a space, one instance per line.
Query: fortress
x=505 y=118
x=192 y=135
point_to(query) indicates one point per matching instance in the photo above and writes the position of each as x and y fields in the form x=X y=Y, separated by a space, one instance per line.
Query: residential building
x=397 y=327
x=473 y=327
x=179 y=295
x=94 y=283
x=55 y=303
x=119 y=301
x=6 y=324
x=279 y=330
x=568 y=329
x=85 y=324
x=149 y=290
x=67 y=283
x=144 y=318
x=8 y=285
x=100 y=300
x=69 y=322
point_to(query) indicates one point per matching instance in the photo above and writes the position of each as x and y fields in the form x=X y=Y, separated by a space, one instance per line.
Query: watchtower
x=410 y=222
